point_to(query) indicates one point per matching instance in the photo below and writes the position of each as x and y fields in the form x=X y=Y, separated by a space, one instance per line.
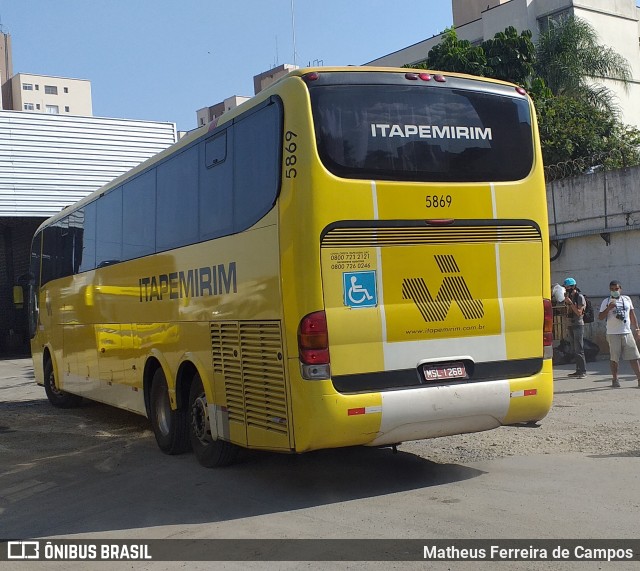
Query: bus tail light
x=547 y=335
x=313 y=346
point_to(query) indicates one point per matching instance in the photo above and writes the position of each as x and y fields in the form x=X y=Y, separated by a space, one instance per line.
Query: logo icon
x=23 y=550
x=453 y=290
x=359 y=289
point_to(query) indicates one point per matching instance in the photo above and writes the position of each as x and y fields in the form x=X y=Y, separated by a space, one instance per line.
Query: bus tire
x=210 y=452
x=169 y=426
x=56 y=396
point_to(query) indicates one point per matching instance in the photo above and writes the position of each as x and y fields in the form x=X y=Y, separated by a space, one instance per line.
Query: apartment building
x=260 y=82
x=208 y=114
x=617 y=23
x=53 y=95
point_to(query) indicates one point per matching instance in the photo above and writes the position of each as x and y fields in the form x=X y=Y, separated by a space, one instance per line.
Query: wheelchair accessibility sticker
x=359 y=289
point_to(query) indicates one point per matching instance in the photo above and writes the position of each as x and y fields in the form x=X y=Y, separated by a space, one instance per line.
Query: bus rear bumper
x=442 y=411
x=457 y=409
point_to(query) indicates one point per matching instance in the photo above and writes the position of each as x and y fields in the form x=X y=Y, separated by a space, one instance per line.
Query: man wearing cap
x=576 y=303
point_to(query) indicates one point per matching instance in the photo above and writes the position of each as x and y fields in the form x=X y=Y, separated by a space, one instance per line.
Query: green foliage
x=452 y=54
x=571 y=128
x=568 y=58
x=510 y=56
x=538 y=90
x=574 y=130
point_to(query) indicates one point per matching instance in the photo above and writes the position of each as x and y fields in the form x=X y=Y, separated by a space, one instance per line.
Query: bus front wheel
x=54 y=394
x=169 y=426
x=210 y=452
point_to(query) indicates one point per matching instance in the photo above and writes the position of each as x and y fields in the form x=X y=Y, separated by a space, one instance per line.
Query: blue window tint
x=177 y=201
x=88 y=244
x=216 y=195
x=109 y=228
x=138 y=216
x=256 y=157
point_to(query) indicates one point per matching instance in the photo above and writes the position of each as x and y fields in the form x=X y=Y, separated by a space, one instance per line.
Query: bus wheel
x=54 y=394
x=169 y=426
x=209 y=452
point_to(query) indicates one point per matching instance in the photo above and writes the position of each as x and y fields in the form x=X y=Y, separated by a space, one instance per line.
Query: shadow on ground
x=96 y=468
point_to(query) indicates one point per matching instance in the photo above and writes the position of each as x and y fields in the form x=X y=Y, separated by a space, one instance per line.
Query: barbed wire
x=592 y=164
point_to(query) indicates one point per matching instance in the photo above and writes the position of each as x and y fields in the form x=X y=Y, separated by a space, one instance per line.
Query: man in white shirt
x=622 y=325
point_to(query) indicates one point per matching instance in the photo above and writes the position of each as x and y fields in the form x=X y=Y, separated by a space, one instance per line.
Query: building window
x=37 y=87
x=66 y=90
x=51 y=90
x=545 y=22
x=38 y=106
x=66 y=109
x=27 y=86
x=28 y=106
x=53 y=109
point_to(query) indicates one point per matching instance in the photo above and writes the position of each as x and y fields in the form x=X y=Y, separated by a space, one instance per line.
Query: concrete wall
x=594 y=223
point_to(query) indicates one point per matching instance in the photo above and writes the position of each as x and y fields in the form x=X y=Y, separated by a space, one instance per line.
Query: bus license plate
x=444 y=372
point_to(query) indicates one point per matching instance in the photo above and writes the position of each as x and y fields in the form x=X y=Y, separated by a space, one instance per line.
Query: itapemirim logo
x=453 y=289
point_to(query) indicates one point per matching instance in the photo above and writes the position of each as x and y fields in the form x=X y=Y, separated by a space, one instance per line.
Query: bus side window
x=216 y=188
x=57 y=251
x=139 y=216
x=34 y=284
x=256 y=168
x=177 y=200
x=109 y=227
x=87 y=237
x=215 y=150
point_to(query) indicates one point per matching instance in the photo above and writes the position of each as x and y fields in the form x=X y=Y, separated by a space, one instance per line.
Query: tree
x=574 y=131
x=510 y=56
x=571 y=129
x=452 y=54
x=569 y=58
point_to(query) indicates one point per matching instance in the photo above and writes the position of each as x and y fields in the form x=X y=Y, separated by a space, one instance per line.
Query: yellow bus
x=355 y=256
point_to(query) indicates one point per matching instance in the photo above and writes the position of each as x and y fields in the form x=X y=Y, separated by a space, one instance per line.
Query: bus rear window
x=407 y=133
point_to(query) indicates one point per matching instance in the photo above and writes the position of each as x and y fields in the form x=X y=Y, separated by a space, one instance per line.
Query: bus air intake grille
x=417 y=234
x=226 y=363
x=263 y=375
x=248 y=357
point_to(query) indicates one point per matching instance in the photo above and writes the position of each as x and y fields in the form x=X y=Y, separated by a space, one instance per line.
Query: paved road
x=95 y=472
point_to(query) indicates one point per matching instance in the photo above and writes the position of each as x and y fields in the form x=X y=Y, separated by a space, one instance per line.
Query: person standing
x=576 y=303
x=622 y=325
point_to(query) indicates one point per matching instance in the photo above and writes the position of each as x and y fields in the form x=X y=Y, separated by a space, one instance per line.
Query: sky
x=162 y=60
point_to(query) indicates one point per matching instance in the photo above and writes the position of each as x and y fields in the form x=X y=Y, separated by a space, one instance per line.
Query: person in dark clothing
x=576 y=303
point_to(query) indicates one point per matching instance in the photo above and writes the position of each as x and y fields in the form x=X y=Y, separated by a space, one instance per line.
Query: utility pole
x=293 y=31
